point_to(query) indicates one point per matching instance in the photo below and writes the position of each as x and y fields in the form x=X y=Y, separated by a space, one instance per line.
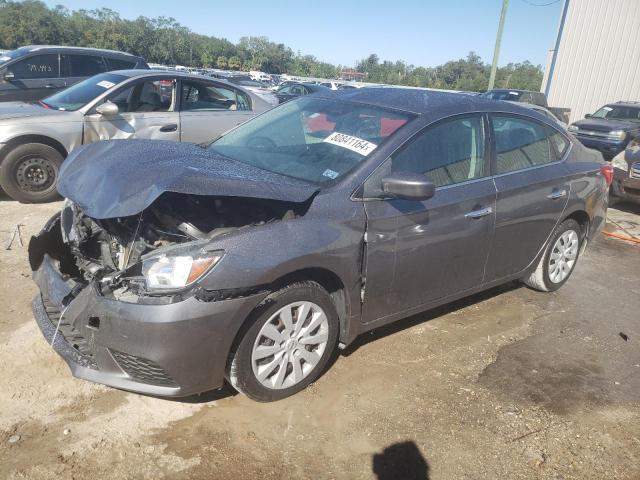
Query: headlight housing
x=617 y=135
x=166 y=271
x=619 y=162
x=573 y=128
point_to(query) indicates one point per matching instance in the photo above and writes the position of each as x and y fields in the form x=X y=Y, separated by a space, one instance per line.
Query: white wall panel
x=598 y=59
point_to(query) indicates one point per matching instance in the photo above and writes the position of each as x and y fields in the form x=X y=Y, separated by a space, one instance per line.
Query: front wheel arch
x=22 y=139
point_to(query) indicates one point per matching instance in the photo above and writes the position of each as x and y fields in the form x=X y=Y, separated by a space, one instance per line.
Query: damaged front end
x=158 y=254
x=120 y=298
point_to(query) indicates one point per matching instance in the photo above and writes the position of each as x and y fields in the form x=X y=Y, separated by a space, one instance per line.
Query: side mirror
x=408 y=186
x=107 y=109
x=9 y=76
x=588 y=115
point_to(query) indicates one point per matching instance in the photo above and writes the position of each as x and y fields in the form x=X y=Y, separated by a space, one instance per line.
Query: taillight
x=607 y=173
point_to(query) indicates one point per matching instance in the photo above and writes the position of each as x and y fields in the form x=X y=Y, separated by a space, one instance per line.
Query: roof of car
x=627 y=103
x=34 y=48
x=140 y=73
x=137 y=72
x=426 y=102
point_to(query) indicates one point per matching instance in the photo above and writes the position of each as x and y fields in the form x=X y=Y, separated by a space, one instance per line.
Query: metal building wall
x=598 y=56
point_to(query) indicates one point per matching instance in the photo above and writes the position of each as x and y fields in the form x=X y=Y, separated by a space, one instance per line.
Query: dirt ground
x=508 y=384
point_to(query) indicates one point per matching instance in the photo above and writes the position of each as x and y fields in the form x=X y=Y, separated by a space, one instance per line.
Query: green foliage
x=164 y=40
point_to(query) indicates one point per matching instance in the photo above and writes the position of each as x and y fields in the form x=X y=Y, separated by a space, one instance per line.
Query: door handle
x=557 y=194
x=483 y=212
x=171 y=127
x=49 y=85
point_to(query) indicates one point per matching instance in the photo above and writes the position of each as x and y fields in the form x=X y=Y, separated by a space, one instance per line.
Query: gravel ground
x=511 y=384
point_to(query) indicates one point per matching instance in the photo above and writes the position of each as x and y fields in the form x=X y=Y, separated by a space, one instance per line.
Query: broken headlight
x=169 y=271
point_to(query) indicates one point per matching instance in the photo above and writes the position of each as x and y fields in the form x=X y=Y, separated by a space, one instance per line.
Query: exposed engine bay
x=108 y=252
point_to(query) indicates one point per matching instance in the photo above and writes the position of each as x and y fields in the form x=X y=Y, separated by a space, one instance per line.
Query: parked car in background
x=349 y=86
x=284 y=83
x=35 y=138
x=38 y=71
x=610 y=129
x=290 y=91
x=332 y=85
x=260 y=88
x=544 y=112
x=530 y=97
x=253 y=259
x=626 y=169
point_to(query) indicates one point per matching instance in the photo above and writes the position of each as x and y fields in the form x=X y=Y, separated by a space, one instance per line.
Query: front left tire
x=290 y=339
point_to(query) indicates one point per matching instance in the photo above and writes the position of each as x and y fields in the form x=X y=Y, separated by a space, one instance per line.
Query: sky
x=420 y=32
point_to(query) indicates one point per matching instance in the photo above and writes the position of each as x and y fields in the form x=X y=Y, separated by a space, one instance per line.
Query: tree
x=165 y=40
x=222 y=62
x=235 y=63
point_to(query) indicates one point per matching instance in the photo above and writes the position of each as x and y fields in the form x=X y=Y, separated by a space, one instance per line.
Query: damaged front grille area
x=109 y=251
x=71 y=335
x=142 y=370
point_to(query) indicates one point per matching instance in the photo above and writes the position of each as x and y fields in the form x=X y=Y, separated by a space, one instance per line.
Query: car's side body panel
x=418 y=252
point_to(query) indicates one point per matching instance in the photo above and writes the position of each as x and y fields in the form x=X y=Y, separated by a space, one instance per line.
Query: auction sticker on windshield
x=105 y=84
x=354 y=144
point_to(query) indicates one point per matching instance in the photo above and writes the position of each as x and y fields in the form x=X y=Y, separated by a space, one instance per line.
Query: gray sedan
x=173 y=267
x=35 y=138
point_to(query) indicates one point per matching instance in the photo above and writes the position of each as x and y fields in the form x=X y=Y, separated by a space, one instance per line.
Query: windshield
x=8 y=56
x=80 y=94
x=503 y=95
x=312 y=139
x=618 y=112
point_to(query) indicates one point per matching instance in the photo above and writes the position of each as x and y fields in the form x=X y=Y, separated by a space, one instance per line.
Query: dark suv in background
x=610 y=129
x=34 y=72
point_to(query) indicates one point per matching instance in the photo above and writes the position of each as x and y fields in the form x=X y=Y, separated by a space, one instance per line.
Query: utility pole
x=496 y=51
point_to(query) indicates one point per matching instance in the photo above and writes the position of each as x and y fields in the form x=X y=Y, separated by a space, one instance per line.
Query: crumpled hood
x=602 y=125
x=13 y=110
x=119 y=178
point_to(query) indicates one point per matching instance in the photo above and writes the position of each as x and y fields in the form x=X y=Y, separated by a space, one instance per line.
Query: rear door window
x=200 y=96
x=36 y=66
x=520 y=144
x=85 y=65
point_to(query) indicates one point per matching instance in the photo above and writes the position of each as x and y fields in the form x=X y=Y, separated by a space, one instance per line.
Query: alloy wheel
x=290 y=345
x=563 y=256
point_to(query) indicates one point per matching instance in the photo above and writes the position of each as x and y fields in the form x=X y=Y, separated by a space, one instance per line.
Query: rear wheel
x=557 y=264
x=29 y=173
x=288 y=344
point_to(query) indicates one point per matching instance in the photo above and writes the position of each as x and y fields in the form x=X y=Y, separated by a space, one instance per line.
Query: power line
x=540 y=4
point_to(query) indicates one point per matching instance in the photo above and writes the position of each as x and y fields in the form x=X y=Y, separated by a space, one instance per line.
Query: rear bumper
x=174 y=349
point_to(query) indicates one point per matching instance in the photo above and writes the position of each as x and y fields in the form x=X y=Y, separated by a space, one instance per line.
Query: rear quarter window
x=559 y=143
x=120 y=64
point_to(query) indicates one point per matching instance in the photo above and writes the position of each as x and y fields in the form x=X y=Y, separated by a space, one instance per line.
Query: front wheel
x=29 y=173
x=292 y=336
x=557 y=263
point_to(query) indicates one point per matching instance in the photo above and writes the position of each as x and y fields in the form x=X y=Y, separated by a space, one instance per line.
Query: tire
x=545 y=277
x=29 y=173
x=267 y=352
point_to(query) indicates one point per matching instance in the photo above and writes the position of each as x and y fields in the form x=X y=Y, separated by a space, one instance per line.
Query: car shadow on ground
x=419 y=318
x=400 y=461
